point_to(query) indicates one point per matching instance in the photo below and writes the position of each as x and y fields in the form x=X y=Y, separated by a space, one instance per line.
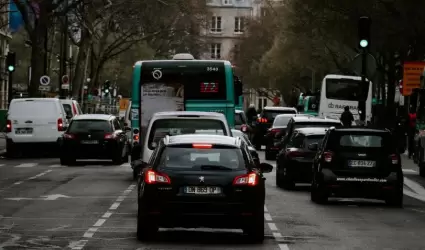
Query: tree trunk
x=79 y=69
x=38 y=54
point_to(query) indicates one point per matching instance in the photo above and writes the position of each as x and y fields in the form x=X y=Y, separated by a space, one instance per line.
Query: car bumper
x=98 y=151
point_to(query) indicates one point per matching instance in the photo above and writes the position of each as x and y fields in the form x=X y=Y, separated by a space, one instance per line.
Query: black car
x=357 y=163
x=276 y=133
x=196 y=181
x=265 y=121
x=94 y=136
x=251 y=148
x=294 y=162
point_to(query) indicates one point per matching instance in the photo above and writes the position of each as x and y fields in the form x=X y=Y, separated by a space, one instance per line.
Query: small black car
x=196 y=181
x=94 y=136
x=357 y=163
x=294 y=162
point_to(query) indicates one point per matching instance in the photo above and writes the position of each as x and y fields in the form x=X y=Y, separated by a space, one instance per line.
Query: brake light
x=293 y=154
x=246 y=180
x=9 y=126
x=152 y=177
x=60 y=125
x=262 y=120
x=202 y=146
x=328 y=156
x=110 y=136
x=68 y=136
x=394 y=159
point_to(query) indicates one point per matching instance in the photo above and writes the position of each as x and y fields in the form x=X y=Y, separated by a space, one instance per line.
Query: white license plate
x=361 y=163
x=23 y=131
x=89 y=142
x=202 y=190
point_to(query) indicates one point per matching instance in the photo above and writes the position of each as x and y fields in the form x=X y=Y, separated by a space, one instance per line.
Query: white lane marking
x=1 y=165
x=78 y=245
x=127 y=164
x=267 y=217
x=55 y=166
x=31 y=178
x=40 y=174
x=17 y=183
x=414 y=186
x=272 y=226
x=26 y=165
x=413 y=195
x=406 y=170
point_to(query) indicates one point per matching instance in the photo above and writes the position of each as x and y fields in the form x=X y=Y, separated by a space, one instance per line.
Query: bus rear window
x=343 y=89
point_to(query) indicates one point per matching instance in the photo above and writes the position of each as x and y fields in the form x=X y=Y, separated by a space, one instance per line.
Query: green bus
x=181 y=84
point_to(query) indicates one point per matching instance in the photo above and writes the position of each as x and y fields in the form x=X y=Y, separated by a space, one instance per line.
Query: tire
x=396 y=200
x=278 y=179
x=146 y=229
x=318 y=195
x=421 y=169
x=11 y=150
x=135 y=175
x=66 y=161
x=255 y=229
x=287 y=182
x=268 y=155
x=135 y=153
x=118 y=158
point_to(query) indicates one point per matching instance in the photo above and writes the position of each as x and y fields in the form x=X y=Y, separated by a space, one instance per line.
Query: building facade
x=4 y=49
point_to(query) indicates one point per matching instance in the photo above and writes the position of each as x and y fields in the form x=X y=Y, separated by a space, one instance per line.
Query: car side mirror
x=313 y=146
x=265 y=167
x=139 y=164
x=127 y=129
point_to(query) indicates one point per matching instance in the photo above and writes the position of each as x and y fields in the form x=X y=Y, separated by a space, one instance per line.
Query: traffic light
x=106 y=86
x=364 y=32
x=10 y=61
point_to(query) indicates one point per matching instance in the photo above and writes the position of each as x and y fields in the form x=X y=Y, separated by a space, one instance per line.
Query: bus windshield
x=343 y=89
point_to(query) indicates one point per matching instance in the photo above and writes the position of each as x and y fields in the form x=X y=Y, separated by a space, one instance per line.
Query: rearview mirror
x=313 y=146
x=265 y=167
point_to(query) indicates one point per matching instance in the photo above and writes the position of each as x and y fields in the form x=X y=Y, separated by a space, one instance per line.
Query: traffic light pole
x=362 y=99
x=10 y=88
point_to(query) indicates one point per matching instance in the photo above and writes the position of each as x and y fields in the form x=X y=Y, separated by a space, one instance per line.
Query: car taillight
x=152 y=177
x=262 y=120
x=9 y=126
x=394 y=159
x=68 y=136
x=327 y=156
x=246 y=180
x=60 y=125
x=244 y=128
x=109 y=136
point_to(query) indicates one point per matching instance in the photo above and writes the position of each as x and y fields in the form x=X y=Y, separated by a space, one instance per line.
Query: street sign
x=65 y=79
x=65 y=86
x=44 y=80
x=44 y=88
x=412 y=72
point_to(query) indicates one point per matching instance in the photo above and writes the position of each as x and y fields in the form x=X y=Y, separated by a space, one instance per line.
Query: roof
x=201 y=138
x=34 y=99
x=361 y=129
x=293 y=115
x=188 y=113
x=93 y=117
x=279 y=108
x=314 y=119
x=239 y=111
x=310 y=131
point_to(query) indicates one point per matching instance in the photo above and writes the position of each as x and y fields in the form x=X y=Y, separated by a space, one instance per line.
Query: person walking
x=411 y=131
x=347 y=117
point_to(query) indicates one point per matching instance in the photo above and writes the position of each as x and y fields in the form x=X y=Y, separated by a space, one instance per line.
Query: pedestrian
x=411 y=131
x=347 y=117
x=251 y=113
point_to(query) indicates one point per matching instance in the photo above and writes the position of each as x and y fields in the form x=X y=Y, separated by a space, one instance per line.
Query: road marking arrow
x=51 y=197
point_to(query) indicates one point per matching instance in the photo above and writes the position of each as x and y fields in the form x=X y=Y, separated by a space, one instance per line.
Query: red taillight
x=109 y=136
x=246 y=180
x=327 y=156
x=152 y=177
x=202 y=146
x=60 y=125
x=293 y=154
x=394 y=159
x=262 y=120
x=68 y=136
x=9 y=126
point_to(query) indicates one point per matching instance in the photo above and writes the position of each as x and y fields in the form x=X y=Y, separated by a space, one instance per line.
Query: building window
x=216 y=51
x=227 y=2
x=239 y=24
x=216 y=24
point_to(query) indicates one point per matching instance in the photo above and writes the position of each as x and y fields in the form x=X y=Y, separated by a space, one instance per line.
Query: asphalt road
x=93 y=206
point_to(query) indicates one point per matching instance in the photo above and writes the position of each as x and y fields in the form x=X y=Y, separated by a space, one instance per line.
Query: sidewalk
x=2 y=142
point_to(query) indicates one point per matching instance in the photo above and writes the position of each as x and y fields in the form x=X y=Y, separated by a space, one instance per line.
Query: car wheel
x=117 y=159
x=135 y=175
x=146 y=229
x=11 y=150
x=269 y=155
x=396 y=200
x=255 y=229
x=318 y=194
x=66 y=161
x=278 y=179
x=288 y=183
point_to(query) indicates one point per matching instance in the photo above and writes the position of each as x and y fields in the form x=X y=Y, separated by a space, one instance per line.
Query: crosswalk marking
x=1 y=165
x=409 y=171
x=26 y=165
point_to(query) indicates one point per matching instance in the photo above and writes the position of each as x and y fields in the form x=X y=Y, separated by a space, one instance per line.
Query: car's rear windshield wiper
x=212 y=167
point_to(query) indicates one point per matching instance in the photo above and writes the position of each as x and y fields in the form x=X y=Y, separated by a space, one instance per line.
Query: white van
x=71 y=107
x=33 y=121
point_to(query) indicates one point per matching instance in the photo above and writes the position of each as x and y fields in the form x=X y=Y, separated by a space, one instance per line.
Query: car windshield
x=163 y=127
x=184 y=158
x=281 y=121
x=84 y=126
x=271 y=114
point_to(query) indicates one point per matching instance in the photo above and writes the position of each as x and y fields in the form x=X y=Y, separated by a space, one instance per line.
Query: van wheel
x=11 y=150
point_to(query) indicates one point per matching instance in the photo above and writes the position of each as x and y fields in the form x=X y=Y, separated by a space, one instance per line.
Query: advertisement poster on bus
x=160 y=97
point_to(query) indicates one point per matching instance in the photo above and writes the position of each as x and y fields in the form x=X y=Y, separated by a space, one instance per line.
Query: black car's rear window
x=163 y=127
x=189 y=158
x=271 y=114
x=316 y=125
x=360 y=140
x=85 y=126
x=281 y=121
x=312 y=139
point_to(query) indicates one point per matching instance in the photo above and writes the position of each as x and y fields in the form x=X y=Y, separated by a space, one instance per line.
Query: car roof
x=278 y=108
x=239 y=111
x=93 y=117
x=34 y=99
x=293 y=115
x=201 y=138
x=312 y=131
x=187 y=113
x=314 y=119
x=360 y=129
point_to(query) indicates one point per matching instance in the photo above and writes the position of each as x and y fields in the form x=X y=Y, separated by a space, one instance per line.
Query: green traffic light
x=106 y=90
x=11 y=68
x=364 y=43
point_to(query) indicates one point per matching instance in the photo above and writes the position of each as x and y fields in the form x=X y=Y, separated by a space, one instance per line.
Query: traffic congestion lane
x=54 y=210
x=343 y=223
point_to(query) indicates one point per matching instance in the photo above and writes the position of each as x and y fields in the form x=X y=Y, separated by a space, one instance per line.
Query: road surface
x=93 y=206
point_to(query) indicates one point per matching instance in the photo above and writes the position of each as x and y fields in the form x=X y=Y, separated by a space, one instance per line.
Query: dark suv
x=357 y=163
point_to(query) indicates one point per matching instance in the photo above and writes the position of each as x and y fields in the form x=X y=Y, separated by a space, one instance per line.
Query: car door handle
x=28 y=122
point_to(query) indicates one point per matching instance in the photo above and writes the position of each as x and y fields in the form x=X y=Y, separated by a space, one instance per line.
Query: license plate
x=361 y=163
x=202 y=190
x=23 y=131
x=90 y=142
